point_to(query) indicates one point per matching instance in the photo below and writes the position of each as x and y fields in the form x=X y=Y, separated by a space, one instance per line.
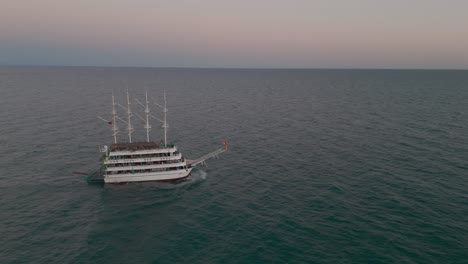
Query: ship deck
x=137 y=146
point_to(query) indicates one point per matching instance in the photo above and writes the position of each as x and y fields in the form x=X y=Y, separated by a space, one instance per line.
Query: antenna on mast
x=165 y=126
x=147 y=112
x=115 y=129
x=129 y=112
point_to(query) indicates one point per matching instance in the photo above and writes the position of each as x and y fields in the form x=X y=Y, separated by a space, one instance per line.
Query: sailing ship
x=144 y=160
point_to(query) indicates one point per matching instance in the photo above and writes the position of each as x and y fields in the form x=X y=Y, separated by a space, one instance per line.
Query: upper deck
x=140 y=148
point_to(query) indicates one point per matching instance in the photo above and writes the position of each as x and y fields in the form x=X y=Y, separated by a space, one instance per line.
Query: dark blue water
x=324 y=166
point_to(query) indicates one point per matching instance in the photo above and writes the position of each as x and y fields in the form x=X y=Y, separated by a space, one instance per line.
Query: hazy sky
x=236 y=33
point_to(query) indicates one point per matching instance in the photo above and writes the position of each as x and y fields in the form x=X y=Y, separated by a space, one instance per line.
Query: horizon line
x=226 y=68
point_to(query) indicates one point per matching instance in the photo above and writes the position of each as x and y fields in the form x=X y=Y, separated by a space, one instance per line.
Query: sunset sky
x=241 y=33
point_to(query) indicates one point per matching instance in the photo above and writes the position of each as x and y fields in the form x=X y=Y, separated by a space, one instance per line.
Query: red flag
x=110 y=122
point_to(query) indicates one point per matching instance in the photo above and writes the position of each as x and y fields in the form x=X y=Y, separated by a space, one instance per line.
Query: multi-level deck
x=143 y=161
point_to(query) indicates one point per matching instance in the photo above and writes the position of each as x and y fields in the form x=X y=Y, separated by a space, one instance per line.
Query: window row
x=116 y=165
x=145 y=171
x=139 y=156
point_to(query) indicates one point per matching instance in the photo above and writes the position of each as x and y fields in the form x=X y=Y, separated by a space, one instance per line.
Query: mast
x=129 y=112
x=147 y=111
x=165 y=126
x=115 y=129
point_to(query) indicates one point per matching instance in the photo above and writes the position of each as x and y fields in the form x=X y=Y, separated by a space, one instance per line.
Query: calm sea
x=324 y=166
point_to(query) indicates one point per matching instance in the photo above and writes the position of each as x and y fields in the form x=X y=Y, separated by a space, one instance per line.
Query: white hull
x=154 y=176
